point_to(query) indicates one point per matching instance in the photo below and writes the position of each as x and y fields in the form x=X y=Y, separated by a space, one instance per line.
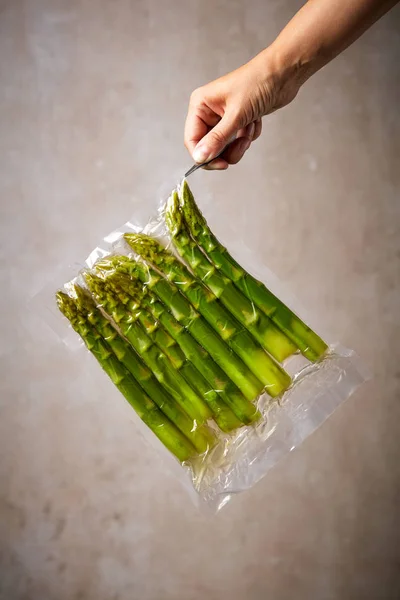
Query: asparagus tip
x=93 y=281
x=131 y=285
x=190 y=210
x=173 y=215
x=67 y=306
x=145 y=246
x=83 y=298
x=109 y=263
x=61 y=299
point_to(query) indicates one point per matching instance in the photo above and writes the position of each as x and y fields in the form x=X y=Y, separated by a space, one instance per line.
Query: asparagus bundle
x=200 y=437
x=148 y=303
x=192 y=340
x=269 y=372
x=186 y=314
x=146 y=409
x=219 y=316
x=261 y=327
x=156 y=360
x=223 y=416
x=309 y=343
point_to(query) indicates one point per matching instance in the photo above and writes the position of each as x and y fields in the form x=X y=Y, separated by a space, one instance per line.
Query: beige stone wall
x=92 y=103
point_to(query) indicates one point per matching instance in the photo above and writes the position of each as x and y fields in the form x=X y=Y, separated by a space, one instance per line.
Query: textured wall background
x=93 y=97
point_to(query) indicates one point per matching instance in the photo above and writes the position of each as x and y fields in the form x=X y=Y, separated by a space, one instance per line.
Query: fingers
x=219 y=164
x=257 y=129
x=237 y=148
x=199 y=121
x=195 y=130
x=242 y=143
x=215 y=140
x=209 y=130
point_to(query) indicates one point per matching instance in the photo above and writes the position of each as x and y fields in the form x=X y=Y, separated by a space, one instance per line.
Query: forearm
x=232 y=106
x=321 y=30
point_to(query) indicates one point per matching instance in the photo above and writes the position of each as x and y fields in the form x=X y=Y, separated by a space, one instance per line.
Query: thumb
x=214 y=142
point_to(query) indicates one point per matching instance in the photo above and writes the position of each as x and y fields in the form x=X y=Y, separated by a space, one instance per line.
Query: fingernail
x=246 y=145
x=201 y=154
x=251 y=130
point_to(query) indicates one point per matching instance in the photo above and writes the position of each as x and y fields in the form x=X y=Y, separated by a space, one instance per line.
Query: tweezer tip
x=192 y=170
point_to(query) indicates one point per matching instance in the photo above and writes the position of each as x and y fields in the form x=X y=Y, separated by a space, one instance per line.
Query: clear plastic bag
x=188 y=338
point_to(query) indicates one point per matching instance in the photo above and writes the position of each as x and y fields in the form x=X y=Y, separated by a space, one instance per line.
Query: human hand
x=231 y=107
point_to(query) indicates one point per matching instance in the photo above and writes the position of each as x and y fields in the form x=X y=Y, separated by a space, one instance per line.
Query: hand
x=230 y=108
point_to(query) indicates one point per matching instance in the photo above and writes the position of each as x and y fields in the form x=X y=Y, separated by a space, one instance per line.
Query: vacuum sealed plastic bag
x=219 y=369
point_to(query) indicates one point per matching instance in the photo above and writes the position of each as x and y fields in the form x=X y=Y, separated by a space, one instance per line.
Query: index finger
x=195 y=130
x=199 y=121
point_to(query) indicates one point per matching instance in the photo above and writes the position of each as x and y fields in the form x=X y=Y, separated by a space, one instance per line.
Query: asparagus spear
x=261 y=327
x=216 y=377
x=309 y=343
x=156 y=333
x=223 y=416
x=187 y=315
x=200 y=437
x=162 y=368
x=238 y=339
x=166 y=432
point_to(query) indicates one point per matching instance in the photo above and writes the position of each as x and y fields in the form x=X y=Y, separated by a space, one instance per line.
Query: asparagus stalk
x=200 y=437
x=309 y=343
x=260 y=326
x=162 y=368
x=201 y=359
x=272 y=375
x=223 y=416
x=156 y=333
x=187 y=315
x=150 y=414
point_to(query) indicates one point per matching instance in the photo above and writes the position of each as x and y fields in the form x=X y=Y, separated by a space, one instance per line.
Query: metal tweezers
x=195 y=167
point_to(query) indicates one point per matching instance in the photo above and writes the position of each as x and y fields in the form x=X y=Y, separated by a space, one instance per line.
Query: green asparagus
x=270 y=373
x=187 y=315
x=259 y=325
x=150 y=414
x=156 y=360
x=216 y=377
x=200 y=437
x=222 y=414
x=309 y=343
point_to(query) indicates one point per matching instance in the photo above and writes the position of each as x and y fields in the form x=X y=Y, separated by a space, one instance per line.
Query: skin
x=229 y=110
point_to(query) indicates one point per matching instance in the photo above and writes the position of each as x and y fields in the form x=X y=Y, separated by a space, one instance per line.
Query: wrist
x=283 y=71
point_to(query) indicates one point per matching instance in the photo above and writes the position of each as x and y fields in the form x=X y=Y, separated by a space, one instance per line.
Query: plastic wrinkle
x=239 y=459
